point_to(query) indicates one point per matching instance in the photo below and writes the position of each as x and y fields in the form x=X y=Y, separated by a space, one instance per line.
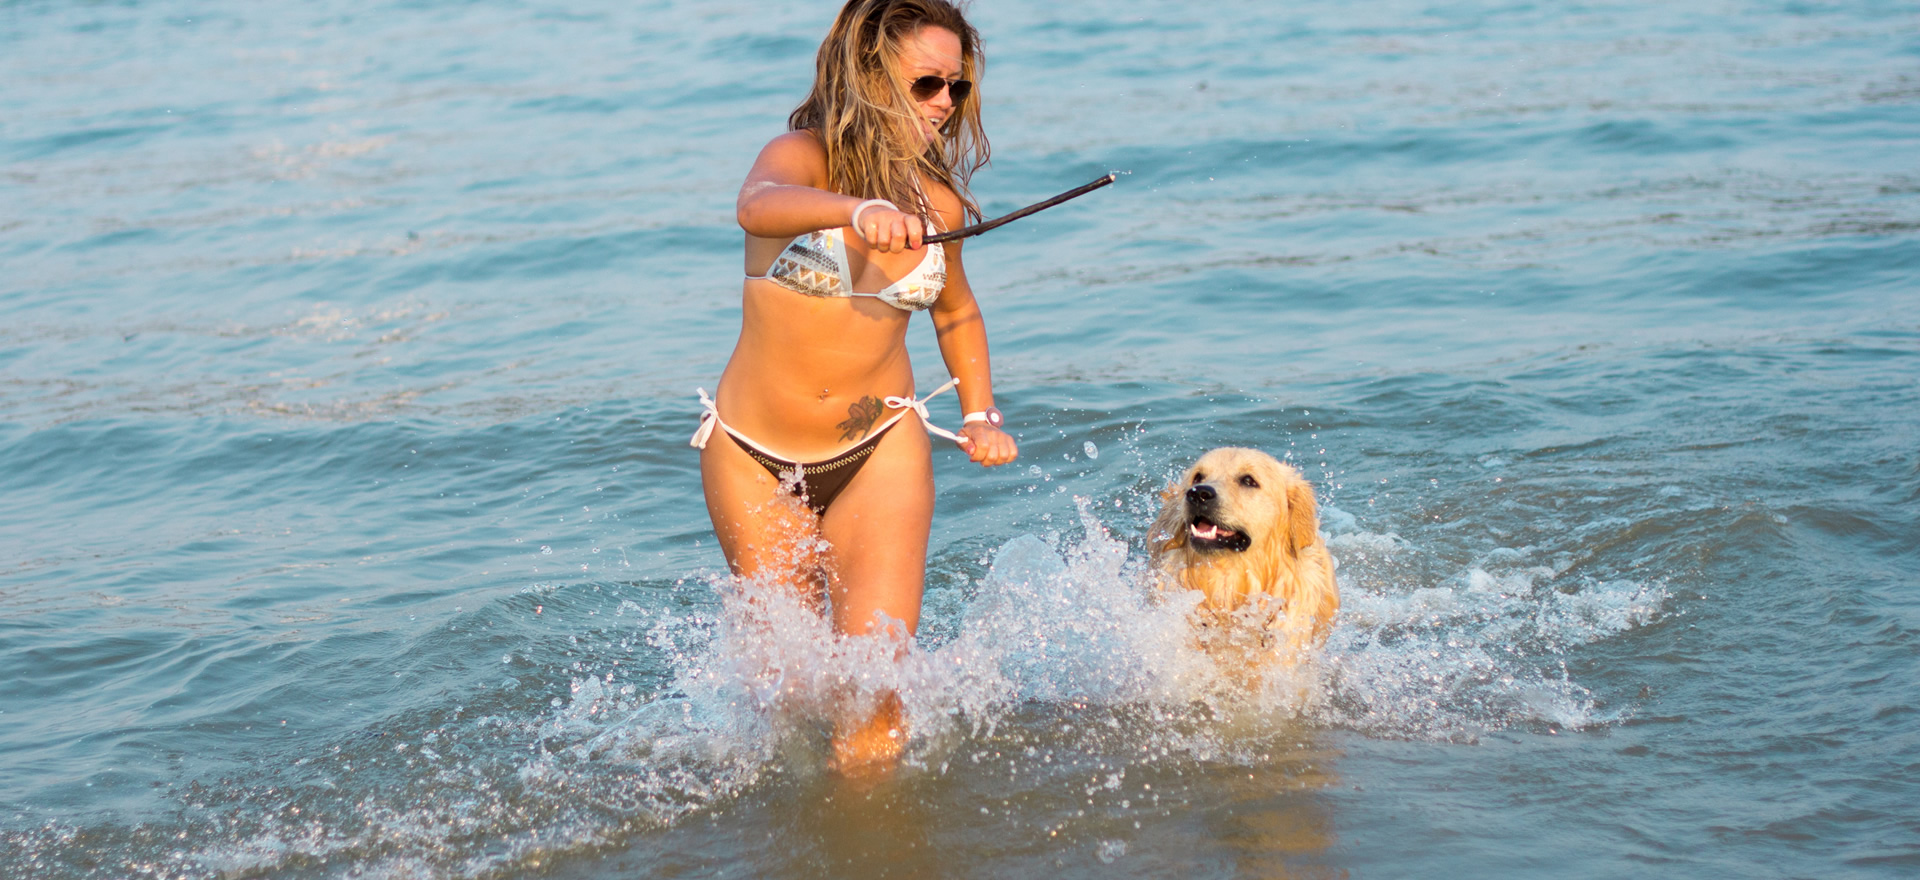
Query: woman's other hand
x=989 y=445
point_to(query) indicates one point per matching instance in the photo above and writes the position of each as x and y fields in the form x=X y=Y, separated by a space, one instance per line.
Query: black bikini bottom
x=820 y=481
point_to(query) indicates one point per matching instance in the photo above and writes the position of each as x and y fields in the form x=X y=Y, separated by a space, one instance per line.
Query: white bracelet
x=870 y=203
x=990 y=415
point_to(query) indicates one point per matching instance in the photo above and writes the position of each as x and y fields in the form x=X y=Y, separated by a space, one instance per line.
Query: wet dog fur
x=1241 y=528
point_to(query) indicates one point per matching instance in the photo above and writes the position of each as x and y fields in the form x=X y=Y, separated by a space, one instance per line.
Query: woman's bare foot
x=871 y=745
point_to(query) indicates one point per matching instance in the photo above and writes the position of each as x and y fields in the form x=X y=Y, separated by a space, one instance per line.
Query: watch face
x=994 y=418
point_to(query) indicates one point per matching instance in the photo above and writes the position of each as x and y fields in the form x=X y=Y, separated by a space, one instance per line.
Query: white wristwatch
x=990 y=415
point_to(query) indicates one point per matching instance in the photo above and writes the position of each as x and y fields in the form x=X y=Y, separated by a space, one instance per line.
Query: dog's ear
x=1169 y=530
x=1303 y=520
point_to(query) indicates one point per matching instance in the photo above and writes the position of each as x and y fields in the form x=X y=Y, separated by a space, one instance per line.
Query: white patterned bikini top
x=816 y=264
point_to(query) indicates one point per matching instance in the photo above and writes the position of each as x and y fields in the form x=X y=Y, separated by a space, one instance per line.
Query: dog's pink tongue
x=1208 y=532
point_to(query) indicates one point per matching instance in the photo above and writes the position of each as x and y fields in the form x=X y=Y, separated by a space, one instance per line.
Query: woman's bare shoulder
x=793 y=157
x=803 y=140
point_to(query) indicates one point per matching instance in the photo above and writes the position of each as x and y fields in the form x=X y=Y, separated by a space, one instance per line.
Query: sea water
x=348 y=525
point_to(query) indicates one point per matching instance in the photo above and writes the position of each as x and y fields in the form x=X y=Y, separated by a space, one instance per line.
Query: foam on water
x=1482 y=650
x=1070 y=628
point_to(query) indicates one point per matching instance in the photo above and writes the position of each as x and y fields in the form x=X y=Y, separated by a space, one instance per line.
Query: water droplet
x=1091 y=450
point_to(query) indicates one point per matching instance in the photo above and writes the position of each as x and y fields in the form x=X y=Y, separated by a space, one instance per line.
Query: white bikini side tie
x=707 y=420
x=919 y=406
x=710 y=418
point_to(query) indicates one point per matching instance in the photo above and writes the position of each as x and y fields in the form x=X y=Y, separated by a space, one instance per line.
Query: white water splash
x=1076 y=624
x=1481 y=651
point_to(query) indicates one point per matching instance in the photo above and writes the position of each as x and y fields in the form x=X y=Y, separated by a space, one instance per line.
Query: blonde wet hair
x=861 y=110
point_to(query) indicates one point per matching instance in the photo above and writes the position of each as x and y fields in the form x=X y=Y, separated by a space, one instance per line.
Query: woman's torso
x=804 y=362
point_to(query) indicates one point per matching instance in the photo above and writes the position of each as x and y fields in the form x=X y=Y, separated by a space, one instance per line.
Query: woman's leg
x=878 y=529
x=766 y=533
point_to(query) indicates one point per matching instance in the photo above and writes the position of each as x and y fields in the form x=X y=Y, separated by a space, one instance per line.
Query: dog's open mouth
x=1205 y=534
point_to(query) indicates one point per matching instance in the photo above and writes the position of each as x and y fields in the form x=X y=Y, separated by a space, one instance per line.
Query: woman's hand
x=988 y=445
x=891 y=231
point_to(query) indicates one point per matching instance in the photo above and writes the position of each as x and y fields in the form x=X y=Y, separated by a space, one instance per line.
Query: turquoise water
x=347 y=356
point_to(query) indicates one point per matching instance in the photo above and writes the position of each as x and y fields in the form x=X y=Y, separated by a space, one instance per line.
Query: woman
x=836 y=212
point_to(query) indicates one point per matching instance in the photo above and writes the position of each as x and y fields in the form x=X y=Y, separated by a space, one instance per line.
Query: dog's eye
x=1198 y=478
x=1248 y=481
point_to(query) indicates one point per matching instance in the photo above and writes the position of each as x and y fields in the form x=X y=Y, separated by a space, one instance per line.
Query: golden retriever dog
x=1241 y=528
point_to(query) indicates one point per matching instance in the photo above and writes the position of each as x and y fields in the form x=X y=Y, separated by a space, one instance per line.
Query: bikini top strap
x=933 y=217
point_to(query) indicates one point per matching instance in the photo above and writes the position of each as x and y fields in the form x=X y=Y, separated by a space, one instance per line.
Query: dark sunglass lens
x=959 y=89
x=926 y=87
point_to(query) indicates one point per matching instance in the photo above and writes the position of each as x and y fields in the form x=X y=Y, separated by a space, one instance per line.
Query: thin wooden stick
x=977 y=228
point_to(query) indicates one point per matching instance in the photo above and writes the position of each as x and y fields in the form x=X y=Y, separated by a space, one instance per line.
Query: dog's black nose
x=1201 y=494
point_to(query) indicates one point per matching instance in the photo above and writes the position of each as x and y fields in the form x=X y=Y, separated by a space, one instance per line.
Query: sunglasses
x=924 y=88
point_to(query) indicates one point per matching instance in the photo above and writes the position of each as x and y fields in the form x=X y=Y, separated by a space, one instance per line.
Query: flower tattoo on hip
x=861 y=416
